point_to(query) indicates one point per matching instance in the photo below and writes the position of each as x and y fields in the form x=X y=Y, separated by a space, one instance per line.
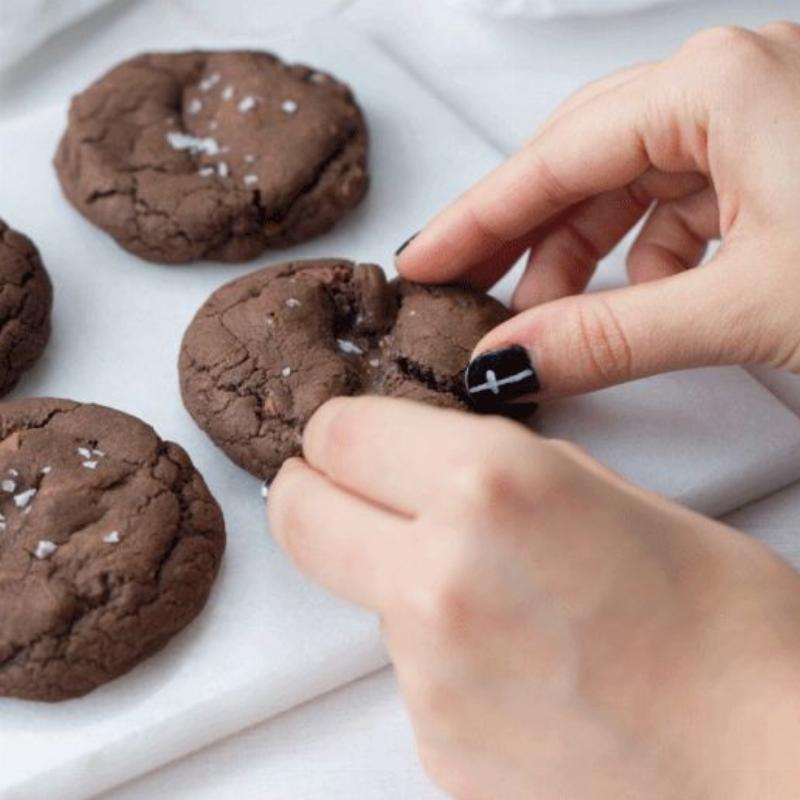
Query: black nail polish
x=406 y=243
x=494 y=379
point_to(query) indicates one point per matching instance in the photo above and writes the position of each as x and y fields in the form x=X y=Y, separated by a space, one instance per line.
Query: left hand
x=556 y=631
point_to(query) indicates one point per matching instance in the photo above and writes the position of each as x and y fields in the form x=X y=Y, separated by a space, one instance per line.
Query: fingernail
x=406 y=243
x=496 y=378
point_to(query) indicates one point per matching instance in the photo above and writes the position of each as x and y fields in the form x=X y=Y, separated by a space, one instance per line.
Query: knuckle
x=782 y=29
x=602 y=342
x=737 y=50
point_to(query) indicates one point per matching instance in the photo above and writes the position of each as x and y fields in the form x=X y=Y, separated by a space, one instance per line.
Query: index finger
x=597 y=146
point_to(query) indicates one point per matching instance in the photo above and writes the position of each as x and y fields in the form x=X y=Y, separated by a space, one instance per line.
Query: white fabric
x=548 y=9
x=26 y=23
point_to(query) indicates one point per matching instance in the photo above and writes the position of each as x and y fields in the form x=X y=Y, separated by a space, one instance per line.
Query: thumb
x=586 y=342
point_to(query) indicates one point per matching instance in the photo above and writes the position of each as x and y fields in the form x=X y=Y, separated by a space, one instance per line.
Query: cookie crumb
x=111 y=538
x=8 y=486
x=250 y=179
x=89 y=464
x=246 y=104
x=210 y=82
x=227 y=92
x=194 y=144
x=23 y=498
x=286 y=372
x=195 y=106
x=44 y=549
x=293 y=302
x=289 y=107
x=349 y=347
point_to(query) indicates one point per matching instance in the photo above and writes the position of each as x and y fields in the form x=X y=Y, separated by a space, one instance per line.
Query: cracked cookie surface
x=213 y=155
x=266 y=350
x=26 y=298
x=109 y=544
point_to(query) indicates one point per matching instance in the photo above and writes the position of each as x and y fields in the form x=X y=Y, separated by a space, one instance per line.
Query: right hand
x=706 y=141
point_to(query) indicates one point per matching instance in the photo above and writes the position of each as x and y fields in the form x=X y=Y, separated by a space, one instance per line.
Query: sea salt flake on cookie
x=194 y=144
x=44 y=549
x=286 y=372
x=89 y=464
x=349 y=347
x=246 y=104
x=23 y=498
x=206 y=172
x=112 y=537
x=293 y=302
x=195 y=106
x=210 y=82
x=222 y=169
x=8 y=486
x=227 y=92
x=289 y=107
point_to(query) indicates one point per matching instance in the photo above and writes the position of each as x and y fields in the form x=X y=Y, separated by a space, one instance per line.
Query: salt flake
x=89 y=464
x=194 y=144
x=222 y=169
x=44 y=549
x=13 y=473
x=8 y=486
x=293 y=302
x=286 y=372
x=264 y=490
x=84 y=452
x=289 y=107
x=227 y=92
x=206 y=172
x=46 y=470
x=210 y=82
x=246 y=104
x=250 y=179
x=111 y=538
x=346 y=346
x=195 y=106
x=23 y=498
x=374 y=363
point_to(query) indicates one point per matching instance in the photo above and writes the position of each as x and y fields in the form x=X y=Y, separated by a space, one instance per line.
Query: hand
x=705 y=144
x=556 y=632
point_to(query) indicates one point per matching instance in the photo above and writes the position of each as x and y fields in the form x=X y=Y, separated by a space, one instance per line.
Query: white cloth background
x=548 y=9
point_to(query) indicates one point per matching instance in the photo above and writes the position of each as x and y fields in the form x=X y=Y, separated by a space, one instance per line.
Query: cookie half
x=26 y=299
x=266 y=350
x=213 y=155
x=109 y=544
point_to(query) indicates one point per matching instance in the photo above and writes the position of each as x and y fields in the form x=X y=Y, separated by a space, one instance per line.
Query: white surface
x=503 y=78
x=354 y=743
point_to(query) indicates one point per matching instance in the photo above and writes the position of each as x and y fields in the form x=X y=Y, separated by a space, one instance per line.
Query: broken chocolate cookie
x=213 y=155
x=266 y=350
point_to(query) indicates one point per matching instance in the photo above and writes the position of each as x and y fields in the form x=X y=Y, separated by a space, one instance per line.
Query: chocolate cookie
x=26 y=297
x=183 y=156
x=109 y=544
x=266 y=350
